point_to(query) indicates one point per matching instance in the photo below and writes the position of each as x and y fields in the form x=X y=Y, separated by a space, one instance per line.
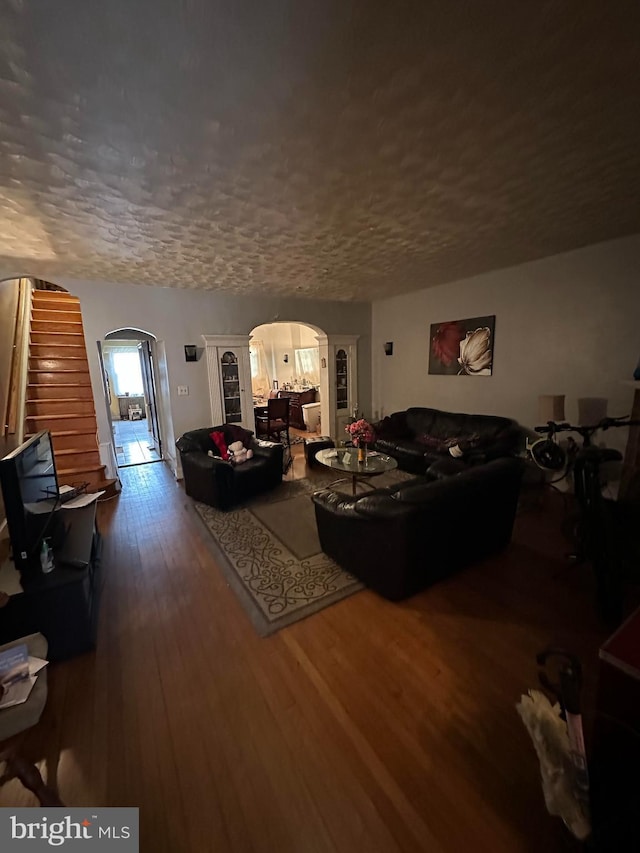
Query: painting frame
x=462 y=347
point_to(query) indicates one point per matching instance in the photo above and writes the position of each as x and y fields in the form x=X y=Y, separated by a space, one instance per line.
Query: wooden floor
x=370 y=726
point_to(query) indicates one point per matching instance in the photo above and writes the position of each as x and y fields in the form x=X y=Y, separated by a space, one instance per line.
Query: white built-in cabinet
x=229 y=372
x=338 y=382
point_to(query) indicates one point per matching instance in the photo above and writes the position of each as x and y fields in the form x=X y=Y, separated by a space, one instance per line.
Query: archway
x=129 y=361
x=286 y=361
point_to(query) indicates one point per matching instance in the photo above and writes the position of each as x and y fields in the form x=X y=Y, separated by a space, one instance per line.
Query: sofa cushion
x=235 y=432
x=414 y=492
x=394 y=426
x=378 y=504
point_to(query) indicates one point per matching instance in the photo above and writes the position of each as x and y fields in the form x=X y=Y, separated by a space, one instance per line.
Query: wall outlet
x=183 y=390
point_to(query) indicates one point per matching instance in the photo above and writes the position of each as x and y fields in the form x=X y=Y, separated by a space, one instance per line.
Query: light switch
x=183 y=390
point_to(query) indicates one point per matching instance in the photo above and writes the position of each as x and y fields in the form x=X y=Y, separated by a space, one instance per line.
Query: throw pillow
x=234 y=432
x=433 y=442
x=217 y=437
x=455 y=446
x=458 y=446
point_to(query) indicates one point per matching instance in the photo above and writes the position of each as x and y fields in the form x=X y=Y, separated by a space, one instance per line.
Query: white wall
x=9 y=292
x=568 y=324
x=178 y=317
x=281 y=338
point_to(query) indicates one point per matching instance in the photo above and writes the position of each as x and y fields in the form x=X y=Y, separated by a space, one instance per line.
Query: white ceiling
x=334 y=149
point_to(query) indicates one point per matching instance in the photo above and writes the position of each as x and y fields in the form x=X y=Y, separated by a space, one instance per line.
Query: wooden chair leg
x=18 y=768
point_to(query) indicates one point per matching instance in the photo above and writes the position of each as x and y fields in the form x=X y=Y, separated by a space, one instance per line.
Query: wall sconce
x=323 y=362
x=286 y=358
x=190 y=352
x=388 y=348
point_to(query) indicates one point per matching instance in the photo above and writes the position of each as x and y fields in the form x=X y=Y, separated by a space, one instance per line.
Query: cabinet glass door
x=342 y=379
x=231 y=387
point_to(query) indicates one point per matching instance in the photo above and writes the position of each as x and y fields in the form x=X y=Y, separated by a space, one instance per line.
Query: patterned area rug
x=270 y=553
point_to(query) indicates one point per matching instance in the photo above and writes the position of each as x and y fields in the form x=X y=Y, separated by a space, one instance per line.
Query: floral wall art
x=462 y=347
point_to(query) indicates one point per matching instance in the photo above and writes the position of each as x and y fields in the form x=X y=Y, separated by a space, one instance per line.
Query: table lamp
x=551 y=408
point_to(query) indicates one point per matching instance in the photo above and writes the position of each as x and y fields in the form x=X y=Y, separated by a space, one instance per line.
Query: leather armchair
x=403 y=539
x=215 y=481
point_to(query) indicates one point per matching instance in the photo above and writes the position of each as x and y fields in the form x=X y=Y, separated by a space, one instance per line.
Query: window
x=308 y=364
x=127 y=373
x=259 y=373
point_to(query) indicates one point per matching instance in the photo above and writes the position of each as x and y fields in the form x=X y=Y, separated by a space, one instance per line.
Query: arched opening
x=286 y=361
x=130 y=369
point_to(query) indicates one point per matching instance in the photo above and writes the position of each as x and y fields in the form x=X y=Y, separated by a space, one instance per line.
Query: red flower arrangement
x=446 y=342
x=361 y=432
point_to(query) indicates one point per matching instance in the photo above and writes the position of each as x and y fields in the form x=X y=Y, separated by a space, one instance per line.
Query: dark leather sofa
x=216 y=482
x=403 y=539
x=419 y=437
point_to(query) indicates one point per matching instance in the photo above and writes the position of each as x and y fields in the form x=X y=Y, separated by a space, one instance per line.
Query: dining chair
x=275 y=423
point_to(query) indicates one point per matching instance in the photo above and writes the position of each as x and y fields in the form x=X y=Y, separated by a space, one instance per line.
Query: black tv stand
x=62 y=604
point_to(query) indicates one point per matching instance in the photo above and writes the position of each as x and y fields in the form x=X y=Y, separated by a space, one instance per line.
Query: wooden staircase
x=59 y=395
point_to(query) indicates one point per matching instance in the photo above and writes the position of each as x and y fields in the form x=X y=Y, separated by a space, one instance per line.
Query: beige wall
x=568 y=324
x=179 y=317
x=281 y=338
x=9 y=291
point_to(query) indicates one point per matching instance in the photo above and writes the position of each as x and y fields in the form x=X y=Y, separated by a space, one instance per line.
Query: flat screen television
x=31 y=496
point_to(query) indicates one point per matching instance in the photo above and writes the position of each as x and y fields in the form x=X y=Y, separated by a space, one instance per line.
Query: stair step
x=67 y=362
x=51 y=422
x=42 y=391
x=57 y=377
x=55 y=326
x=110 y=489
x=59 y=406
x=91 y=474
x=57 y=305
x=54 y=349
x=73 y=457
x=73 y=439
x=57 y=337
x=44 y=298
x=53 y=295
x=66 y=316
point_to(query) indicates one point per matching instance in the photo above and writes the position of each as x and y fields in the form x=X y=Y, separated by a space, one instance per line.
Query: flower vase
x=362 y=453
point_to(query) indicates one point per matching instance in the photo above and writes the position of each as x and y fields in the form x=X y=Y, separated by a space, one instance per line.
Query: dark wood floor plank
x=369 y=726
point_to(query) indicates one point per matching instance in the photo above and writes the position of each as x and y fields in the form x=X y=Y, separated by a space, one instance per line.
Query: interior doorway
x=285 y=361
x=128 y=361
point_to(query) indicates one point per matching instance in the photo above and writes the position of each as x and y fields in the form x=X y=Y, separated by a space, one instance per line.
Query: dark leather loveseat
x=419 y=437
x=219 y=483
x=403 y=539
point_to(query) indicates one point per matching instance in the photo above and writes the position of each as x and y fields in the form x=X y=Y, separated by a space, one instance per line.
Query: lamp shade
x=591 y=410
x=551 y=407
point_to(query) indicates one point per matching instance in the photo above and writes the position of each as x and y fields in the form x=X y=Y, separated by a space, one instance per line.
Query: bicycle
x=598 y=526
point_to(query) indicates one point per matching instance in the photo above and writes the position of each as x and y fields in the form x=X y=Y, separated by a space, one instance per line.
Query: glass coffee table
x=345 y=460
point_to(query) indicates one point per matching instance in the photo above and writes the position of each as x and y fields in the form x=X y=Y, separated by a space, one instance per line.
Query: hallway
x=134 y=443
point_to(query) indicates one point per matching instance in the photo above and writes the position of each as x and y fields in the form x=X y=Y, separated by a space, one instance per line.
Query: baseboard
x=174 y=464
x=108 y=459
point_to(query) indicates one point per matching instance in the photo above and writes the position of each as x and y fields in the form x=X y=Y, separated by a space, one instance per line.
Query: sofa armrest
x=393 y=426
x=207 y=478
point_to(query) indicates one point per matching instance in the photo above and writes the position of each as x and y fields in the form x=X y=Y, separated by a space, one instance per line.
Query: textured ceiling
x=334 y=149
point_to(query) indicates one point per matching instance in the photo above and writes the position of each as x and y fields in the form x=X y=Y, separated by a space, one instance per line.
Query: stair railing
x=16 y=402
